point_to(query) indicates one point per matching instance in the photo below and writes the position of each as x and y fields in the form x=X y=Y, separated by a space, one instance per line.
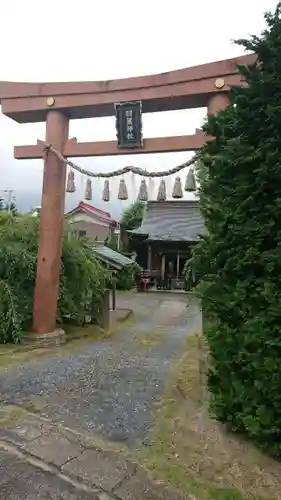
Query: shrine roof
x=171 y=221
x=92 y=210
x=111 y=257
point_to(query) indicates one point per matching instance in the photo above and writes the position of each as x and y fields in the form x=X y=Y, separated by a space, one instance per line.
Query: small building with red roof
x=88 y=220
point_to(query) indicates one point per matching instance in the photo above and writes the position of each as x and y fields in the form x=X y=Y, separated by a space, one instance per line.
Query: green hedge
x=240 y=259
x=82 y=276
x=126 y=278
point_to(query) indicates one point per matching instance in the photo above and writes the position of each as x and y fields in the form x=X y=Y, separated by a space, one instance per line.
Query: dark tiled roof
x=172 y=221
x=109 y=256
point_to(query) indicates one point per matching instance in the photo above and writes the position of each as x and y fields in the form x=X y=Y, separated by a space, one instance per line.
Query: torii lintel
x=181 y=89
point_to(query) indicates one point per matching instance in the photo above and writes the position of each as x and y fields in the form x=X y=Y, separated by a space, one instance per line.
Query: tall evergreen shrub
x=240 y=258
x=82 y=277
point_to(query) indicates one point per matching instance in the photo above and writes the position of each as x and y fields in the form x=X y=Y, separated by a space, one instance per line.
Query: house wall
x=93 y=226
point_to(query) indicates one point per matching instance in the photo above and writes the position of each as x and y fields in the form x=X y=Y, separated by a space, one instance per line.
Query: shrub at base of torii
x=82 y=278
x=240 y=258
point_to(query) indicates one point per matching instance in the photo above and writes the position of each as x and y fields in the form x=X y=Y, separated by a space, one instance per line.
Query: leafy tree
x=240 y=258
x=127 y=277
x=82 y=278
x=133 y=215
x=112 y=242
x=2 y=204
x=201 y=172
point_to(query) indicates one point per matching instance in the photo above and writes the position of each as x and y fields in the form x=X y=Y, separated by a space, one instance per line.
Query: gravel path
x=111 y=386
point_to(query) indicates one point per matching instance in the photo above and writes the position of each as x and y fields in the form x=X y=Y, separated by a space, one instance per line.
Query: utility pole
x=9 y=193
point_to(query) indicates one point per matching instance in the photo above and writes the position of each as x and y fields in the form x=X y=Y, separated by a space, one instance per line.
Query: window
x=82 y=233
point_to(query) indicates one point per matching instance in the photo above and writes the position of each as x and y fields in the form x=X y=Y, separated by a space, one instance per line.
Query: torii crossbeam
x=56 y=103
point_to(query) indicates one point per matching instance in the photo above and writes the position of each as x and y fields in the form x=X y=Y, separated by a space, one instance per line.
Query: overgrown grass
x=195 y=453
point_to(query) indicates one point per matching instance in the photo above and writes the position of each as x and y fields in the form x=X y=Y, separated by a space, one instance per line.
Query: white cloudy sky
x=60 y=40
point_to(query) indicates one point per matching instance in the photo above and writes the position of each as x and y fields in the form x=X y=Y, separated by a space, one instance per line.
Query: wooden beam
x=215 y=69
x=183 y=95
x=74 y=149
x=188 y=88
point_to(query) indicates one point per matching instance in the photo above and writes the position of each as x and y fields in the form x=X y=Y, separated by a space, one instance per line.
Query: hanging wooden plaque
x=129 y=124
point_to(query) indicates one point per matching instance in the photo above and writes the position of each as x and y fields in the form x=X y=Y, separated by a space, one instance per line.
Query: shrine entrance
x=57 y=103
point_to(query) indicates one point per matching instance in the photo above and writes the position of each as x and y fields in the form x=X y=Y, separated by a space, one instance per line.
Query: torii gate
x=56 y=103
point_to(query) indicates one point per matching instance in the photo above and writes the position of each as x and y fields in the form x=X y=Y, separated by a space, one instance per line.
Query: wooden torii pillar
x=56 y=103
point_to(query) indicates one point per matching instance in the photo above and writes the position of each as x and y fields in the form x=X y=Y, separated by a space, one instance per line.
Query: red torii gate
x=206 y=85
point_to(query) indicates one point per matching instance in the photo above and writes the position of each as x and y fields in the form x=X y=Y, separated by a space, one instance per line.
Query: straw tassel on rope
x=88 y=191
x=161 y=196
x=143 y=192
x=190 y=183
x=106 y=193
x=122 y=192
x=70 y=185
x=177 y=191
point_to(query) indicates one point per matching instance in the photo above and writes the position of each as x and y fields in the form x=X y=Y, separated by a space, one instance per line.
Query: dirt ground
x=194 y=452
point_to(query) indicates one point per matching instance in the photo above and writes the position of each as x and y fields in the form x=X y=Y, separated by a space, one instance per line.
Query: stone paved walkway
x=20 y=480
x=108 y=389
x=43 y=460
